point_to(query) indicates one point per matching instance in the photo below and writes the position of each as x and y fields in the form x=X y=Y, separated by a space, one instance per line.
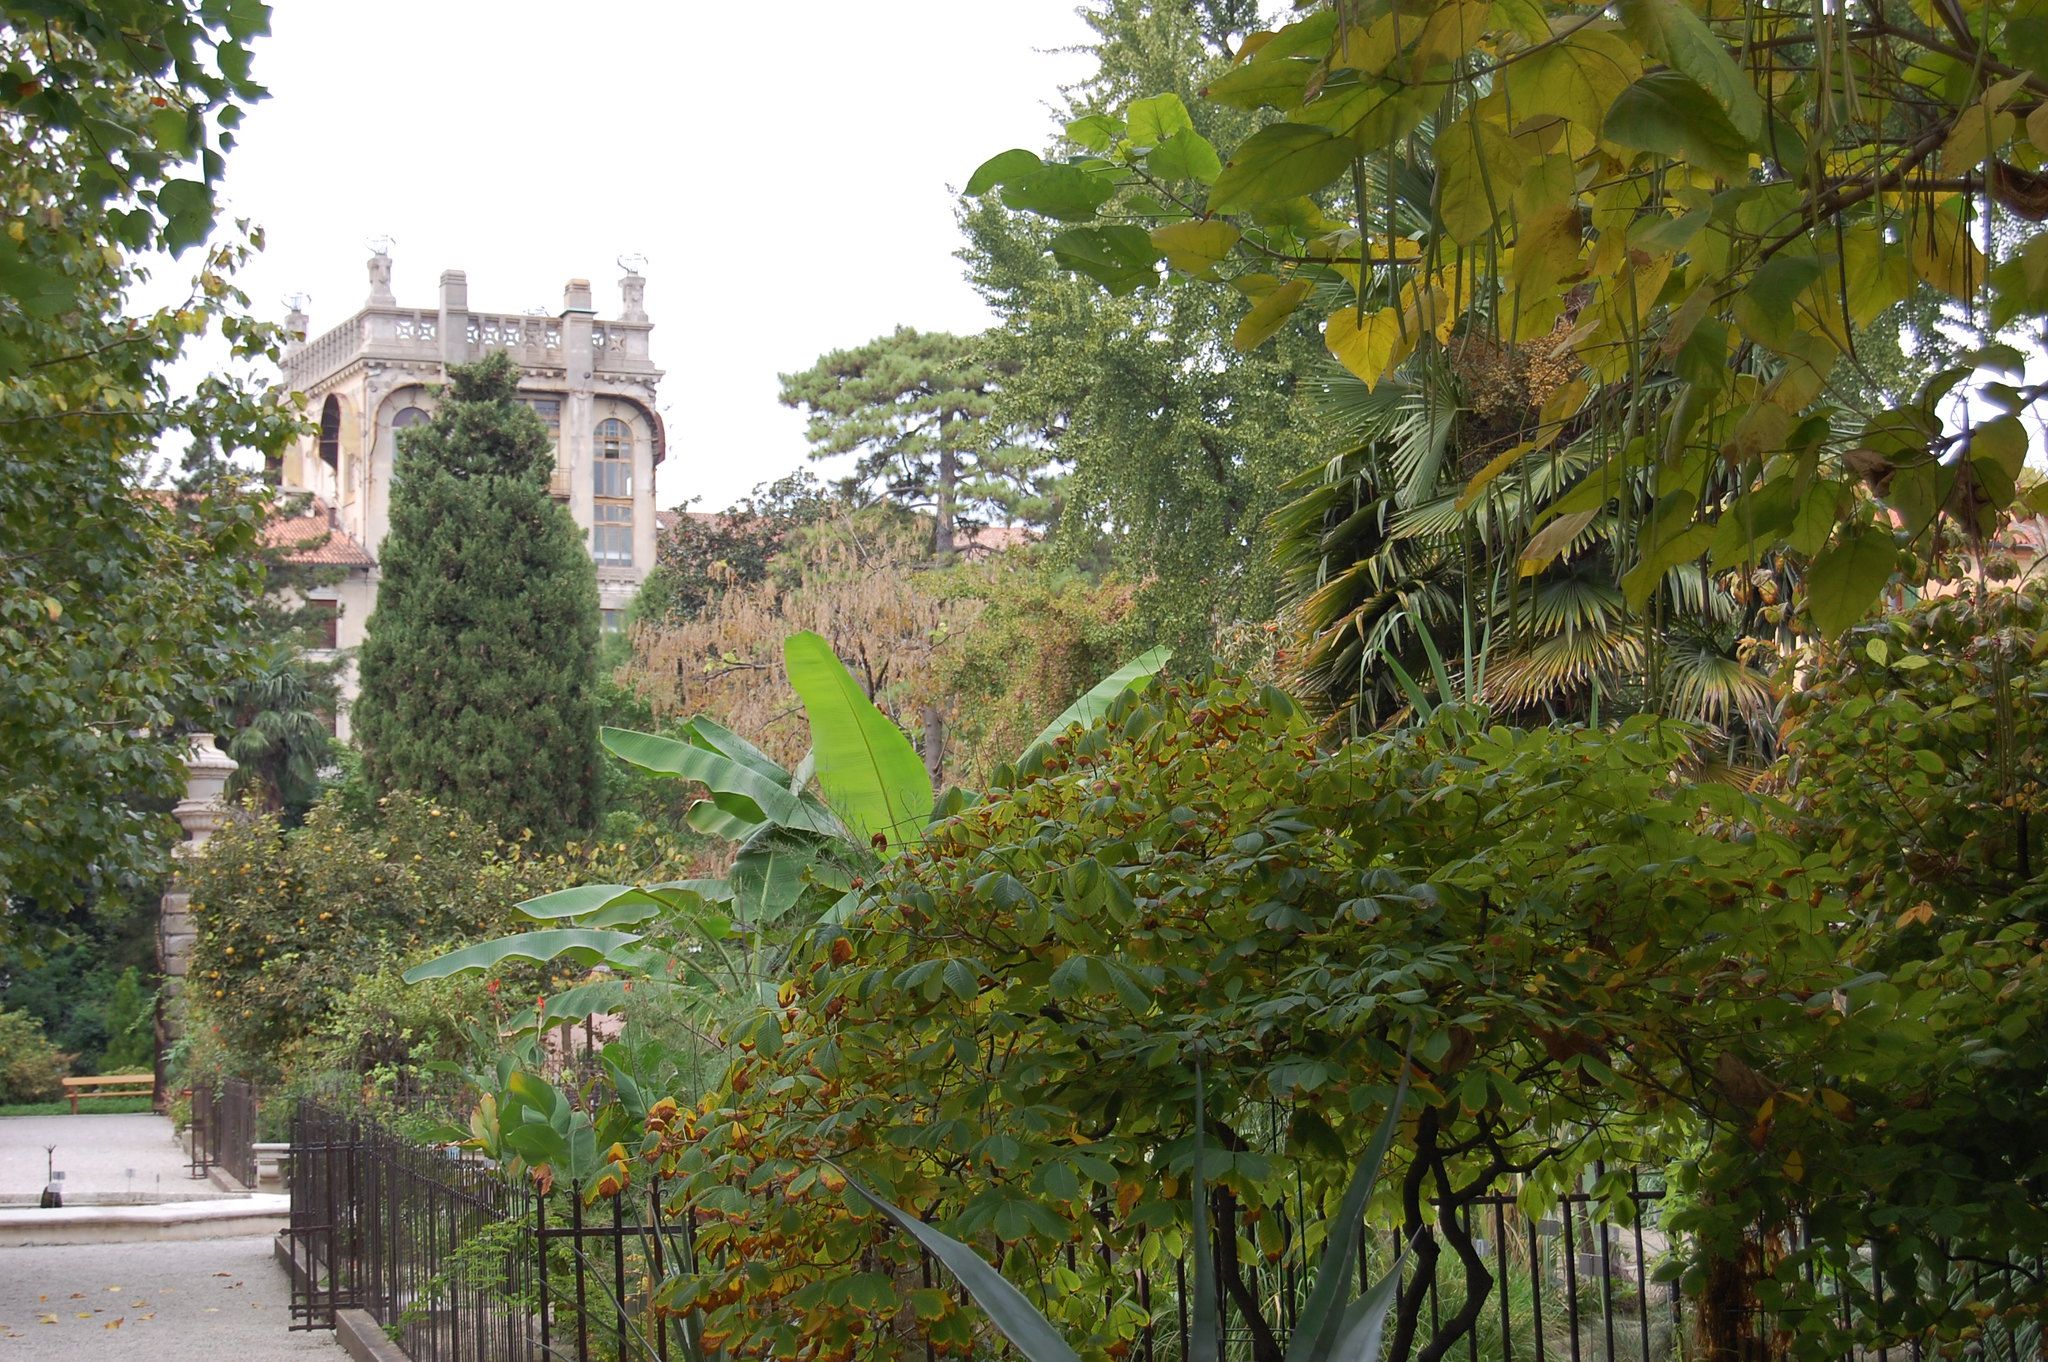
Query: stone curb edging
x=221 y=1219
x=364 y=1339
x=358 y=1332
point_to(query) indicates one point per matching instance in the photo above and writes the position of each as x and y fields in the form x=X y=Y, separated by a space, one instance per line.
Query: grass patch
x=99 y=1106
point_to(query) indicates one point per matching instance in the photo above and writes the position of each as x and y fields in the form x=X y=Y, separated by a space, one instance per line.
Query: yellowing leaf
x=1943 y=253
x=1369 y=349
x=1478 y=171
x=1269 y=314
x=1576 y=79
x=1875 y=272
x=1978 y=132
x=2037 y=126
x=1426 y=309
x=1497 y=465
x=1195 y=247
x=1795 y=1166
x=1451 y=31
x=1369 y=48
x=1554 y=539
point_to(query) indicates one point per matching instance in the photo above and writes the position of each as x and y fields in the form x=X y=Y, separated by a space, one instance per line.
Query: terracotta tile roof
x=995 y=539
x=324 y=545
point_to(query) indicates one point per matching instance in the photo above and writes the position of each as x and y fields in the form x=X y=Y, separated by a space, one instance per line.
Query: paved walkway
x=104 y=1158
x=201 y=1301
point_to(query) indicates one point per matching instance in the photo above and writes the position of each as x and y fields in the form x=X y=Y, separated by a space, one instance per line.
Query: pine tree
x=479 y=668
x=916 y=408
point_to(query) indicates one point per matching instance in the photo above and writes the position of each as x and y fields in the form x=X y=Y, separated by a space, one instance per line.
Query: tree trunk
x=934 y=743
x=942 y=531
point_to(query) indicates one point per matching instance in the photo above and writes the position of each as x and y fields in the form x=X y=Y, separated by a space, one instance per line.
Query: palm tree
x=1419 y=526
x=278 y=718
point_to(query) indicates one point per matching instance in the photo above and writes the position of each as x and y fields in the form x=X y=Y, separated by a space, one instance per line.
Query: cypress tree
x=479 y=668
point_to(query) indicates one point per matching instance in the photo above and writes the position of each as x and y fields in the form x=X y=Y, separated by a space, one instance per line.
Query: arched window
x=611 y=523
x=330 y=433
x=614 y=460
x=409 y=416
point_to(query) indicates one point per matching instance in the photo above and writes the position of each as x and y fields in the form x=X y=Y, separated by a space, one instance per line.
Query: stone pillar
x=200 y=814
x=579 y=363
x=454 y=318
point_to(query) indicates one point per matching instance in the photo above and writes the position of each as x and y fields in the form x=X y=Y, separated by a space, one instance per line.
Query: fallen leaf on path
x=49 y=1319
x=115 y=1323
x=223 y=1274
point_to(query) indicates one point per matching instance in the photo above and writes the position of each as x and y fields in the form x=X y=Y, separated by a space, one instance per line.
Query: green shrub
x=31 y=1069
x=292 y=920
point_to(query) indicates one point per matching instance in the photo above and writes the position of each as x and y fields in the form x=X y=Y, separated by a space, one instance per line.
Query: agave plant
x=1332 y=1327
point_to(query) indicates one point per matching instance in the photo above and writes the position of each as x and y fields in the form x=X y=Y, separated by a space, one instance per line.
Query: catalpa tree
x=1700 y=204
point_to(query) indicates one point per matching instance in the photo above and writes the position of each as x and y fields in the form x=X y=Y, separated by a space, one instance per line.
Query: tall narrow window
x=611 y=527
x=611 y=533
x=614 y=460
x=330 y=433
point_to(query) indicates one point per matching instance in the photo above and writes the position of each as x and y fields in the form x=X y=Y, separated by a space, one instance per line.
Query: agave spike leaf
x=1323 y=1323
x=1019 y=1320
x=1365 y=1319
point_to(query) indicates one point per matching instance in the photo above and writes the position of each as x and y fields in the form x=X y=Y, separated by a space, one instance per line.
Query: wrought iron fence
x=462 y=1265
x=434 y=1246
x=223 y=1132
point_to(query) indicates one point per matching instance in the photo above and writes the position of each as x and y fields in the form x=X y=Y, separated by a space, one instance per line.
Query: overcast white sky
x=783 y=168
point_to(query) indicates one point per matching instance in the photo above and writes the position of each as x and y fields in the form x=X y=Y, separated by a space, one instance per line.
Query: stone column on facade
x=579 y=367
x=453 y=327
x=200 y=814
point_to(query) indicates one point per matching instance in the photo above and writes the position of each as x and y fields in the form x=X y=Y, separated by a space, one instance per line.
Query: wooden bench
x=109 y=1085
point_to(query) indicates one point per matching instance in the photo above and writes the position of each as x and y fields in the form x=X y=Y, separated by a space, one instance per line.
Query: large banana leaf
x=1097 y=701
x=1020 y=1321
x=871 y=776
x=585 y=945
x=737 y=787
x=768 y=875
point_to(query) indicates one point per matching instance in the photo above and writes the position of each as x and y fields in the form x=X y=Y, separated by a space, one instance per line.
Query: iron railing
x=433 y=1245
x=461 y=1264
x=224 y=1129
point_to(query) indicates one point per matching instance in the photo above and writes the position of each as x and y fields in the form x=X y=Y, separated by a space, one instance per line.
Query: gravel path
x=106 y=1158
x=209 y=1299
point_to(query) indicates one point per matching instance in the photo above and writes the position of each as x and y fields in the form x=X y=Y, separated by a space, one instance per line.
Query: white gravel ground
x=214 y=1300
x=103 y=1158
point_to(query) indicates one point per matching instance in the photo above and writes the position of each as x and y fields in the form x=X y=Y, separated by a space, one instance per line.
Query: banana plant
x=1332 y=1327
x=861 y=798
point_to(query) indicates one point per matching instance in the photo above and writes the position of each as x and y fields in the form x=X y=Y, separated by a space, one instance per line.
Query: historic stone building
x=589 y=378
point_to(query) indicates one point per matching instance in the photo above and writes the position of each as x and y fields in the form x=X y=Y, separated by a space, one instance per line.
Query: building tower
x=588 y=378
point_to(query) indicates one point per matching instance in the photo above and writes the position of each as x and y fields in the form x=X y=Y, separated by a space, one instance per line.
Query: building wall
x=388 y=358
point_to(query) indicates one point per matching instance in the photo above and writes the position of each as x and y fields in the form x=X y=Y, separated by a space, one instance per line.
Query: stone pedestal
x=200 y=813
